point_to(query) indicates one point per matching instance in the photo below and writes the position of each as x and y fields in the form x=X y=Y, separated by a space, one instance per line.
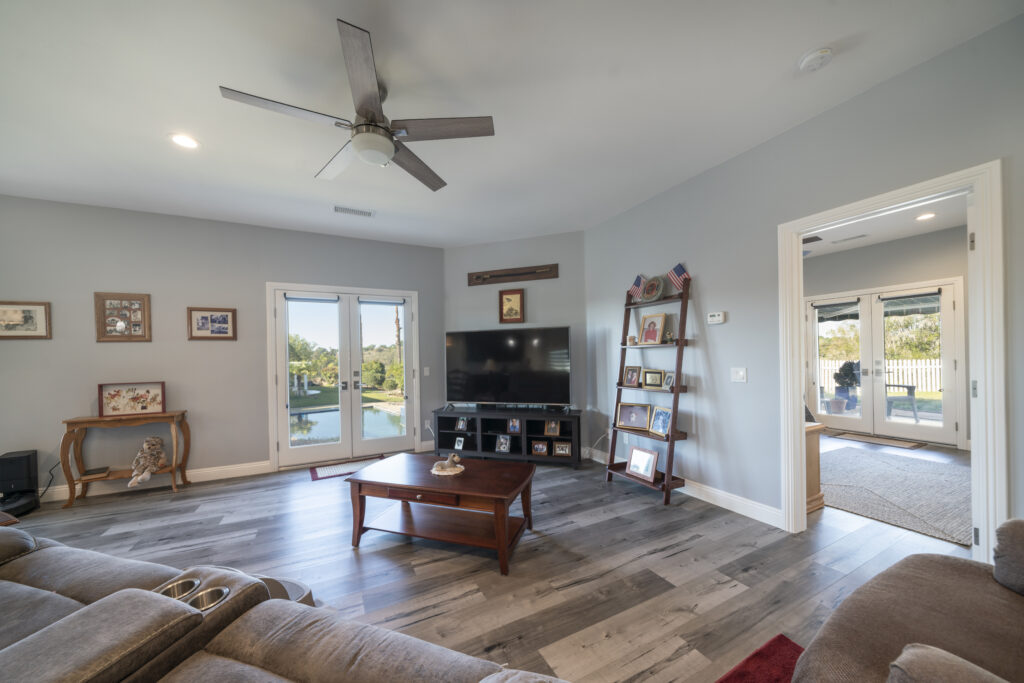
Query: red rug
x=773 y=662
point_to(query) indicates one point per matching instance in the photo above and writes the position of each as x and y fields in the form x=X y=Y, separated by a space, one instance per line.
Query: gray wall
x=960 y=109
x=549 y=303
x=912 y=259
x=62 y=253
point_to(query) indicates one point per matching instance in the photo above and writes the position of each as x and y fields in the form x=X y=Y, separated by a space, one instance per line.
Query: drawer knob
x=419 y=496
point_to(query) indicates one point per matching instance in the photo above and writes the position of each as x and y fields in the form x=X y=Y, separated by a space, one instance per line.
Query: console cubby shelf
x=664 y=480
x=484 y=426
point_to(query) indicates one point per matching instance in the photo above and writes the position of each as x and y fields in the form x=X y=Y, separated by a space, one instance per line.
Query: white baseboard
x=424 y=446
x=723 y=499
x=100 y=488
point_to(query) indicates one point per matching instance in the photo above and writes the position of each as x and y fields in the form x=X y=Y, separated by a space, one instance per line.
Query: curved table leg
x=174 y=458
x=186 y=445
x=65 y=464
x=79 y=462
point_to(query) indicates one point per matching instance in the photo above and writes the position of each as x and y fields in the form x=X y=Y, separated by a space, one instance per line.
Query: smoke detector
x=815 y=59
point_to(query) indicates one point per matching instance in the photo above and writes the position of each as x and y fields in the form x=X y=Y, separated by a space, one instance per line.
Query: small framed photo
x=563 y=448
x=660 y=420
x=503 y=444
x=653 y=379
x=132 y=398
x=643 y=463
x=25 y=320
x=511 y=306
x=460 y=424
x=551 y=427
x=515 y=426
x=631 y=376
x=459 y=440
x=212 y=323
x=670 y=381
x=539 y=447
x=652 y=326
x=633 y=416
x=122 y=317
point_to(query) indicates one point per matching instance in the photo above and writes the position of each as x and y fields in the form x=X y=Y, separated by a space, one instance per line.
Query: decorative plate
x=653 y=289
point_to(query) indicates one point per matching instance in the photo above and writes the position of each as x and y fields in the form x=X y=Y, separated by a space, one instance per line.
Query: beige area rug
x=932 y=498
x=880 y=440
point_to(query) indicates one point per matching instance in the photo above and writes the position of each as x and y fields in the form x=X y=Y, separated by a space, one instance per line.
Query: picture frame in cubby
x=503 y=444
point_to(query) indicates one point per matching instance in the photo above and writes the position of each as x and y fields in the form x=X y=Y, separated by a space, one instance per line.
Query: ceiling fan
x=375 y=140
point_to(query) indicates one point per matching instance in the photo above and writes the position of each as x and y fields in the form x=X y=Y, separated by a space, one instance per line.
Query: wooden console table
x=78 y=426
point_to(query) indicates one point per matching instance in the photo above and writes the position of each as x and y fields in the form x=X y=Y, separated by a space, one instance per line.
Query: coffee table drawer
x=423 y=496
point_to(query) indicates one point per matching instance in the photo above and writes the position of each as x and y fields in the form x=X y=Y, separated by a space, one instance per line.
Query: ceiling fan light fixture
x=373 y=145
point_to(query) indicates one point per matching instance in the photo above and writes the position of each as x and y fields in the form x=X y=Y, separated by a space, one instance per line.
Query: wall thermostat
x=716 y=318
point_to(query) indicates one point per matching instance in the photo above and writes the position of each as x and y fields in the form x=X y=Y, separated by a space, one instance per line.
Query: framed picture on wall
x=132 y=398
x=25 y=320
x=217 y=324
x=122 y=317
x=511 y=306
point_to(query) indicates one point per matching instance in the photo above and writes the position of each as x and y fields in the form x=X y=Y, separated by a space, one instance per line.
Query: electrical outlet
x=738 y=374
x=426 y=371
x=426 y=424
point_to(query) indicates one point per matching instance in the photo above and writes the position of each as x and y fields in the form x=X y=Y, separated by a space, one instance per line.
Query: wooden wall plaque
x=495 y=277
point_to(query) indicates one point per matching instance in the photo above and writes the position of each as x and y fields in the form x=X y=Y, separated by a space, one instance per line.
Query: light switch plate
x=716 y=318
x=426 y=371
x=738 y=374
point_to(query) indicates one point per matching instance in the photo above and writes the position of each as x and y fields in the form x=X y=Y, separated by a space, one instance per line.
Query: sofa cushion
x=82 y=575
x=1009 y=555
x=926 y=664
x=947 y=602
x=14 y=543
x=104 y=641
x=304 y=643
x=27 y=609
x=202 y=666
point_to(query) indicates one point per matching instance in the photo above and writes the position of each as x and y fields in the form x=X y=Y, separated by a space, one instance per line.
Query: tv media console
x=483 y=431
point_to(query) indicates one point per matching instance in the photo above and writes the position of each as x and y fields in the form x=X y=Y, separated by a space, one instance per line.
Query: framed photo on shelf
x=563 y=448
x=653 y=379
x=460 y=424
x=539 y=447
x=212 y=323
x=631 y=376
x=459 y=440
x=643 y=463
x=122 y=317
x=511 y=306
x=652 y=327
x=132 y=398
x=25 y=320
x=633 y=416
x=515 y=426
x=670 y=381
x=503 y=444
x=660 y=420
x=551 y=427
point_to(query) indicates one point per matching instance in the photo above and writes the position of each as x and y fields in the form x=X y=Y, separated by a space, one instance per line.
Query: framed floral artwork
x=132 y=398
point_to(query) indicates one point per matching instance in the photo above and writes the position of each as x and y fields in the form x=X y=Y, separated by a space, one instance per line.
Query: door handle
x=344 y=386
x=355 y=384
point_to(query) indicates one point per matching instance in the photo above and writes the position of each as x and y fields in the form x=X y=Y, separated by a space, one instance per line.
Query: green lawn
x=328 y=396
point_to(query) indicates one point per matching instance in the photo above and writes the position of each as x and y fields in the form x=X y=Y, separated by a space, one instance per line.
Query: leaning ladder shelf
x=664 y=481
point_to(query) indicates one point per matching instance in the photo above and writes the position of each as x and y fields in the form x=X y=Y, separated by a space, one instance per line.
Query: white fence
x=925 y=374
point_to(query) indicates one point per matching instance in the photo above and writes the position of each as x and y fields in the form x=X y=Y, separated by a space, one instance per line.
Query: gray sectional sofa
x=928 y=618
x=75 y=615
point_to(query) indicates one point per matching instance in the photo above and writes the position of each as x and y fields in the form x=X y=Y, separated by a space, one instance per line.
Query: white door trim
x=412 y=341
x=986 y=325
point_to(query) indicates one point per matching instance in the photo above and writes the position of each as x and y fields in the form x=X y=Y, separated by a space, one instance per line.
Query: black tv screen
x=529 y=365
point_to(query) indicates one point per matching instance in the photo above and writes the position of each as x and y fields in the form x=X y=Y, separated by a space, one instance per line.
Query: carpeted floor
x=932 y=498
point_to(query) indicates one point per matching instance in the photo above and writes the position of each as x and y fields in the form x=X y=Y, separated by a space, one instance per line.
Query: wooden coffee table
x=446 y=508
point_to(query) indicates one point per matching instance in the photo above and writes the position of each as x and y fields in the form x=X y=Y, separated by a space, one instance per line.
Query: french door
x=889 y=362
x=342 y=385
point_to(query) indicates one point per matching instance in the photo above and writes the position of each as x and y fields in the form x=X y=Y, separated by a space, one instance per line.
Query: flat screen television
x=527 y=365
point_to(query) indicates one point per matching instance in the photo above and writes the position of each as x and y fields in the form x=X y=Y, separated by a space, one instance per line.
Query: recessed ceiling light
x=815 y=59
x=186 y=141
x=926 y=216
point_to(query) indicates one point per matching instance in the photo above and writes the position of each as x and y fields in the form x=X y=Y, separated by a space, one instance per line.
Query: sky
x=318 y=322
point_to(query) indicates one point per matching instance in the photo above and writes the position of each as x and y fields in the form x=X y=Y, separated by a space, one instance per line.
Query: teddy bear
x=149 y=459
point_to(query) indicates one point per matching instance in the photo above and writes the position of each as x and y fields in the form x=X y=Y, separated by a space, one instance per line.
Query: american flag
x=677 y=275
x=638 y=286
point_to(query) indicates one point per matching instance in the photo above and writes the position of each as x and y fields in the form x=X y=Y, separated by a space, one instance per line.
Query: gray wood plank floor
x=609 y=586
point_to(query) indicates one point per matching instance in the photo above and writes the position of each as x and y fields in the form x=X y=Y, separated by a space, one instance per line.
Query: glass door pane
x=382 y=375
x=314 y=405
x=838 y=341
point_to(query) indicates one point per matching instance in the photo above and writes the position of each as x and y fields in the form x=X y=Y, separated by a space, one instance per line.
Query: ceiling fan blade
x=362 y=74
x=338 y=163
x=443 y=129
x=416 y=168
x=282 y=108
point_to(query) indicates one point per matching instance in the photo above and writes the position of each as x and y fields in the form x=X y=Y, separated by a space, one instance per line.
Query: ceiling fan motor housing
x=373 y=143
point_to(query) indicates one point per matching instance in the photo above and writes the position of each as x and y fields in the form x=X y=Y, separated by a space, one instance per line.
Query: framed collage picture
x=218 y=324
x=122 y=317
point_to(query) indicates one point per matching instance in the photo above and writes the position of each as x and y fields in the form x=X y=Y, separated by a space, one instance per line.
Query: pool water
x=319 y=427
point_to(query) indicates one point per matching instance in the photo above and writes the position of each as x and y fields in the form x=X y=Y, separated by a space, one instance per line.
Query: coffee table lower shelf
x=450 y=525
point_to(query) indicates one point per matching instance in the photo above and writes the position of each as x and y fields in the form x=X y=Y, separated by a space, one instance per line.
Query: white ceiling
x=597 y=105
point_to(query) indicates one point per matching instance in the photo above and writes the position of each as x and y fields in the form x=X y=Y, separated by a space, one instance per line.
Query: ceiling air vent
x=353 y=212
x=811 y=239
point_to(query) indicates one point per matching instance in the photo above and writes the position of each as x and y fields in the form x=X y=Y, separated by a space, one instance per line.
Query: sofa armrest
x=1009 y=555
x=104 y=641
x=926 y=664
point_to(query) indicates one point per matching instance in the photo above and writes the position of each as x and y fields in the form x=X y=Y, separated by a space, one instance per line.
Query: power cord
x=51 y=479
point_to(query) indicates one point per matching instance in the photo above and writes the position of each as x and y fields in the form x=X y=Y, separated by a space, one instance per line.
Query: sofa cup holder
x=209 y=598
x=180 y=589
